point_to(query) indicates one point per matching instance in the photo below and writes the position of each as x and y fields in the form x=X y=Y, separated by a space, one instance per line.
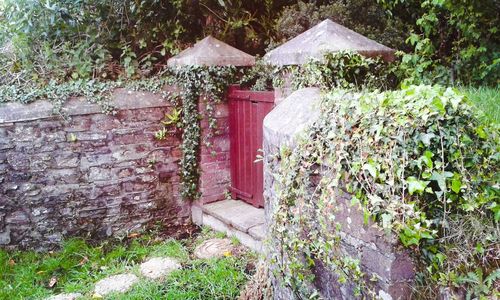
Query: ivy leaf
x=354 y=201
x=440 y=178
x=495 y=208
x=371 y=168
x=426 y=139
x=386 y=221
x=438 y=103
x=415 y=185
x=456 y=185
x=481 y=133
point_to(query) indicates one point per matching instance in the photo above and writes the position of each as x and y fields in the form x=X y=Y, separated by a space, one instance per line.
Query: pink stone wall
x=96 y=174
x=214 y=160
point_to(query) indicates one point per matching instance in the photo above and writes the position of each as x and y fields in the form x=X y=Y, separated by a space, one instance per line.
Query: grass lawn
x=487 y=99
x=78 y=265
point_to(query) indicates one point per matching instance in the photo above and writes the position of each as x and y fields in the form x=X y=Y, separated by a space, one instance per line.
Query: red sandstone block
x=221 y=180
x=222 y=124
x=131 y=138
x=134 y=115
x=210 y=191
x=215 y=179
x=212 y=198
x=214 y=167
x=215 y=183
x=176 y=152
x=222 y=110
x=220 y=145
x=218 y=157
x=102 y=122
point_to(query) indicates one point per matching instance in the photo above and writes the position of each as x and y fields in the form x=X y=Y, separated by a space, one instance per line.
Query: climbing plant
x=58 y=93
x=198 y=83
x=344 y=69
x=418 y=162
x=454 y=42
x=194 y=84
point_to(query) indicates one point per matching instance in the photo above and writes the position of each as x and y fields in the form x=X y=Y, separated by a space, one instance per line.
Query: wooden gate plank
x=247 y=112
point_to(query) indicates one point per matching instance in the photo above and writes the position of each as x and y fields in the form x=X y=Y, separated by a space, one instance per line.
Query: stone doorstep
x=238 y=214
x=235 y=218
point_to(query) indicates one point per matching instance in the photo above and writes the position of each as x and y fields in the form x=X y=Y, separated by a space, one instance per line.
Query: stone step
x=236 y=219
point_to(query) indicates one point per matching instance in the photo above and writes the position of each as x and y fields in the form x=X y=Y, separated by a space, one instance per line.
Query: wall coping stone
x=121 y=99
x=292 y=116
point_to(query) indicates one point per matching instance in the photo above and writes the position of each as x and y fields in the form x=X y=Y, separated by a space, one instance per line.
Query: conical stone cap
x=211 y=52
x=327 y=36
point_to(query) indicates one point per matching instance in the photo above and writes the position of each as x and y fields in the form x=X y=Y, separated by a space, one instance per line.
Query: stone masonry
x=380 y=254
x=215 y=177
x=92 y=174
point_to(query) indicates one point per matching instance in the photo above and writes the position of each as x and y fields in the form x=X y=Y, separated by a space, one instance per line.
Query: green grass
x=78 y=265
x=486 y=99
x=209 y=279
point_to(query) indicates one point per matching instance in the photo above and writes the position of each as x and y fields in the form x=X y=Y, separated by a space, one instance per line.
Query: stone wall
x=215 y=177
x=380 y=254
x=95 y=174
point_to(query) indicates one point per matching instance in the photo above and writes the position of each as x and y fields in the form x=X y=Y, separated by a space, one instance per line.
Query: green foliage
x=208 y=280
x=260 y=77
x=79 y=265
x=247 y=25
x=198 y=280
x=343 y=70
x=62 y=39
x=417 y=161
x=171 y=120
x=84 y=39
x=58 y=94
x=454 y=41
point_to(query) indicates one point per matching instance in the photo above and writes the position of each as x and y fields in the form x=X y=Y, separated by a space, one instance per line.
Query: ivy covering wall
x=420 y=163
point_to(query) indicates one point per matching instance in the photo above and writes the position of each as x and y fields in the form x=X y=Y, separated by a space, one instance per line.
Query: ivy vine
x=344 y=69
x=195 y=83
x=418 y=162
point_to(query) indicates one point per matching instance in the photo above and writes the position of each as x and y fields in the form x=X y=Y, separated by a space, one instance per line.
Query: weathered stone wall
x=87 y=173
x=215 y=177
x=380 y=254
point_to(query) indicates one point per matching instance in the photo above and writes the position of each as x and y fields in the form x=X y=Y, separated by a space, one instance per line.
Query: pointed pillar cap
x=211 y=52
x=327 y=36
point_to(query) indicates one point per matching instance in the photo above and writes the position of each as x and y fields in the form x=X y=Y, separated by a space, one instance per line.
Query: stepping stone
x=213 y=248
x=158 y=267
x=117 y=283
x=66 y=296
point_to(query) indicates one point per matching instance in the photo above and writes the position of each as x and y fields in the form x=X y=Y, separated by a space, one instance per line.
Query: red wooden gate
x=247 y=110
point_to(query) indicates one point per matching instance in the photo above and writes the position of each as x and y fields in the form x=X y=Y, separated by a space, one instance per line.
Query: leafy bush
x=419 y=162
x=65 y=39
x=453 y=41
x=83 y=39
x=344 y=70
x=260 y=77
